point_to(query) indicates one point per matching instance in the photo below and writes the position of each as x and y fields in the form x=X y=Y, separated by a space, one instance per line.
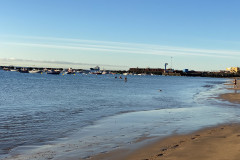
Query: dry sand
x=218 y=143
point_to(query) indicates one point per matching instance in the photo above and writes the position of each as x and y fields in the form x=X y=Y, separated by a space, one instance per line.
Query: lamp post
x=166 y=67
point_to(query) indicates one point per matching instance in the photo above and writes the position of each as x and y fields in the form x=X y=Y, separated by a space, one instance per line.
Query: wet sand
x=232 y=97
x=217 y=143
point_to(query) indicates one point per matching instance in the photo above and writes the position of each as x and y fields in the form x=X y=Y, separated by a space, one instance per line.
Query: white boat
x=104 y=72
x=35 y=71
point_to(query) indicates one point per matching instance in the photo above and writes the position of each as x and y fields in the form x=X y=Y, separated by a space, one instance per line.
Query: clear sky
x=118 y=34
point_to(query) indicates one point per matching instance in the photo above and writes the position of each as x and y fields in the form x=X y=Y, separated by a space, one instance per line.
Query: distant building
x=233 y=69
x=95 y=69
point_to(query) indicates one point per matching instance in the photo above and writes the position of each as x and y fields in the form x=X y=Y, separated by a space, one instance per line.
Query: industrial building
x=233 y=69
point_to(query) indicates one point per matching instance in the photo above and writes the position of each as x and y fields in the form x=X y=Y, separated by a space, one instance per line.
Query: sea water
x=76 y=116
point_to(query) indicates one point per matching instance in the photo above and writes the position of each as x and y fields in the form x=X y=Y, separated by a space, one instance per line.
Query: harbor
x=234 y=72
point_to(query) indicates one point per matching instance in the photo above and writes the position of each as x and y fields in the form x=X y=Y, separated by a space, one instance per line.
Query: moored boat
x=23 y=70
x=53 y=72
x=97 y=73
x=71 y=71
x=6 y=69
x=35 y=71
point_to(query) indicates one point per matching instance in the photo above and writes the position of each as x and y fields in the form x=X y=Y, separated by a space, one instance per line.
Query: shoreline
x=220 y=142
x=232 y=97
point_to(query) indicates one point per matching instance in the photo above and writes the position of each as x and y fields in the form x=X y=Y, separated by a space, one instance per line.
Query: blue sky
x=118 y=34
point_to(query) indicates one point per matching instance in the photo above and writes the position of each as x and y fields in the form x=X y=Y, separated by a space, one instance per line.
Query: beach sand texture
x=217 y=143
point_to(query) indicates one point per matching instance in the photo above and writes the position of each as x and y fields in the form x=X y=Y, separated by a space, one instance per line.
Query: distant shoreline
x=139 y=71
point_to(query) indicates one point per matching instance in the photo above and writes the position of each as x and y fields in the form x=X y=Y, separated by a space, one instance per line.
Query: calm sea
x=54 y=116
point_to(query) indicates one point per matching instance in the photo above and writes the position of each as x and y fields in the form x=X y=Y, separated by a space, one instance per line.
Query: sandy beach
x=216 y=143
